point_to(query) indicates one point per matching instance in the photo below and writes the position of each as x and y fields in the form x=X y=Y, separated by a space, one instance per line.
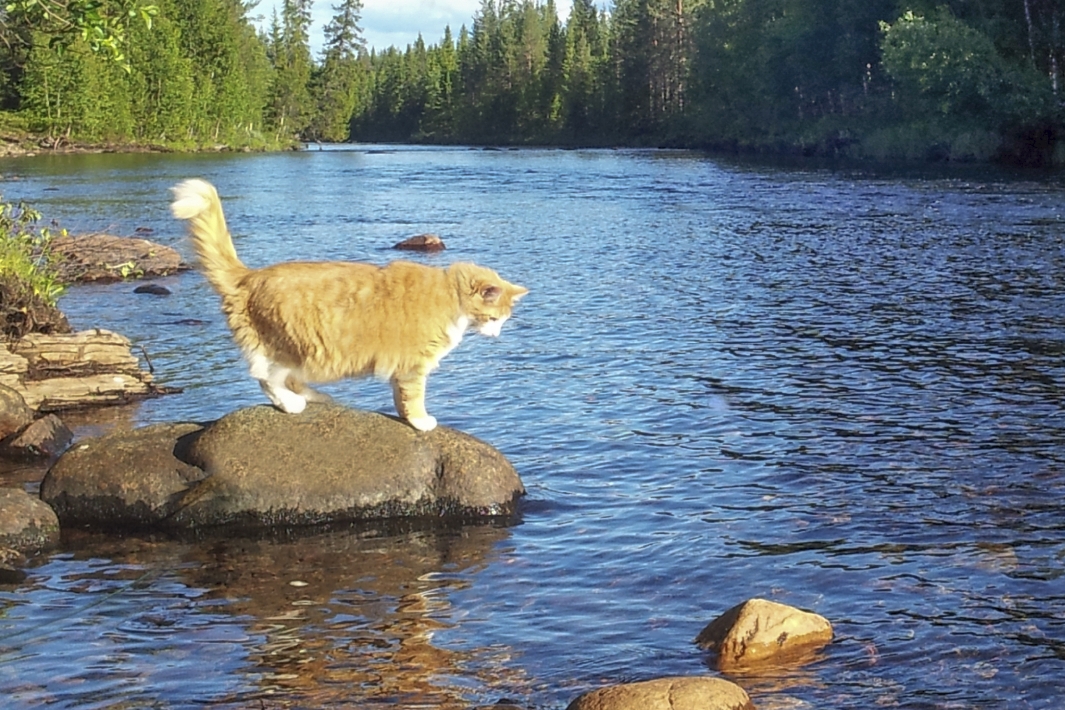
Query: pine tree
x=439 y=120
x=340 y=77
x=291 y=105
x=75 y=93
x=162 y=83
x=652 y=51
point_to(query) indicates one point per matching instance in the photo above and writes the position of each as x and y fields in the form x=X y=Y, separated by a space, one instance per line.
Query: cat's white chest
x=455 y=331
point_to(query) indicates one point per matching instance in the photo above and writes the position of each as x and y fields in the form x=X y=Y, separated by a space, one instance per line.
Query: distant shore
x=13 y=145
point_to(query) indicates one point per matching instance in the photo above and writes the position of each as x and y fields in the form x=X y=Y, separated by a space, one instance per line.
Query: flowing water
x=837 y=389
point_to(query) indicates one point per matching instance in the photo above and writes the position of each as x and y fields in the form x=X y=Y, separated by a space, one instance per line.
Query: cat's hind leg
x=273 y=378
x=309 y=393
x=408 y=392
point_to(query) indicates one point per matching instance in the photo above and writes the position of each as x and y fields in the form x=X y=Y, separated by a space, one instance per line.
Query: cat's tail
x=197 y=201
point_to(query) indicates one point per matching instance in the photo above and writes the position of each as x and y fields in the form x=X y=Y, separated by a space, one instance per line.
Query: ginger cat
x=300 y=322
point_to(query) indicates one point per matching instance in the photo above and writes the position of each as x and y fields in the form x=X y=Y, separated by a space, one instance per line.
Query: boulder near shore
x=105 y=257
x=258 y=467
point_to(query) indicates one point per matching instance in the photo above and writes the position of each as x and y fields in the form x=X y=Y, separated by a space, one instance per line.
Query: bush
x=29 y=283
x=944 y=67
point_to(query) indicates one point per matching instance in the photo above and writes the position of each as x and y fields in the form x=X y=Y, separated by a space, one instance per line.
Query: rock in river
x=105 y=257
x=676 y=693
x=26 y=524
x=259 y=467
x=760 y=631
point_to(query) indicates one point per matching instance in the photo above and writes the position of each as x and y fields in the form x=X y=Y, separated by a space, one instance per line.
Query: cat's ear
x=516 y=292
x=490 y=293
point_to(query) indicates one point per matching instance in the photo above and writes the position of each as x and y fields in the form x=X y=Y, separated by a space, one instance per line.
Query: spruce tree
x=340 y=77
x=292 y=108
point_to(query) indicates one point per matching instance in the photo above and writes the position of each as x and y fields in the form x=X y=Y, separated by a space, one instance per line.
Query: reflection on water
x=309 y=618
x=835 y=389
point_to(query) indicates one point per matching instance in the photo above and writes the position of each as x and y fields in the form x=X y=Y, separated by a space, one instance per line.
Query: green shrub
x=941 y=65
x=30 y=285
x=25 y=251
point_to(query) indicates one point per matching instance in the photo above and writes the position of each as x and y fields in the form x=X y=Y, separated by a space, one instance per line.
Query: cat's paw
x=290 y=402
x=426 y=423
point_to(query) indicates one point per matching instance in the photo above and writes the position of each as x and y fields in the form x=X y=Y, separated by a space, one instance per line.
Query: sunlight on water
x=836 y=389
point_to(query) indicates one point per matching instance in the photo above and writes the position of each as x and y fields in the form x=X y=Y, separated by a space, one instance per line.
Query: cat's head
x=486 y=298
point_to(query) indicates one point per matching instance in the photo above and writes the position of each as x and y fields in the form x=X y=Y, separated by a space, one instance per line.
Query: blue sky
x=395 y=22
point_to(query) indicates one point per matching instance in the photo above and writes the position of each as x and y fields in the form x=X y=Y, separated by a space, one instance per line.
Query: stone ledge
x=91 y=367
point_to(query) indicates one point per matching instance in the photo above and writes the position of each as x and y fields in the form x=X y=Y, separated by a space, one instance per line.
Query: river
x=837 y=388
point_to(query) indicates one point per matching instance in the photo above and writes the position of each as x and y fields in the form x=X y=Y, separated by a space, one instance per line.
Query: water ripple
x=840 y=390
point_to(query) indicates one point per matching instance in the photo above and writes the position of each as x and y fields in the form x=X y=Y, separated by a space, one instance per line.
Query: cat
x=300 y=322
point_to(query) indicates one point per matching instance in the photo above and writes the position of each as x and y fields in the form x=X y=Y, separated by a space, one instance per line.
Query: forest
x=959 y=80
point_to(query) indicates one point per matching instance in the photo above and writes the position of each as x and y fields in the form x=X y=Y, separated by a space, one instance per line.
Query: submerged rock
x=152 y=290
x=677 y=693
x=260 y=467
x=759 y=631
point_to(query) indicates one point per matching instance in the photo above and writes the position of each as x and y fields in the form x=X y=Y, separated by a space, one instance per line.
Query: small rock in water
x=421 y=242
x=153 y=289
x=27 y=524
x=760 y=631
x=675 y=693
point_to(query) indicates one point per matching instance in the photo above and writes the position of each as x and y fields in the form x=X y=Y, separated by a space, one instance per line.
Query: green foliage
x=76 y=91
x=100 y=25
x=943 y=65
x=950 y=79
x=291 y=103
x=339 y=82
x=194 y=73
x=517 y=76
x=25 y=254
x=951 y=76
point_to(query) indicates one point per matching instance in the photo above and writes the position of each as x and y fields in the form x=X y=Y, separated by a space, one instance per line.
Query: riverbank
x=914 y=144
x=17 y=140
x=15 y=145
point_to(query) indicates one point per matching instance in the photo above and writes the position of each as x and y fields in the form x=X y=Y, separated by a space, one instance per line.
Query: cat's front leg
x=408 y=392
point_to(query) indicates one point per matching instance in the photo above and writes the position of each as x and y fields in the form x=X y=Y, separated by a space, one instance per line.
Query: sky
x=387 y=23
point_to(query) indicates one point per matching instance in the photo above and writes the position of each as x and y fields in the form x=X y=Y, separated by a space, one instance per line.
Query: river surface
x=838 y=389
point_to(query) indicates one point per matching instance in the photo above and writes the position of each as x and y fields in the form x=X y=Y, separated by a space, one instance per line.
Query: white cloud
x=387 y=23
x=398 y=22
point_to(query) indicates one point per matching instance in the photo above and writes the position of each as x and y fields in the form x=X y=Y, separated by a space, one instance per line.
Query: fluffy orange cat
x=300 y=322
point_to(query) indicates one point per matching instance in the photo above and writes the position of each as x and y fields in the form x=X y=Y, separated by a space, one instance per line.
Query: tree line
x=956 y=79
x=179 y=73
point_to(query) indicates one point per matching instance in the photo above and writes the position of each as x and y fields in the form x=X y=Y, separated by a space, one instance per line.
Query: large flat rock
x=259 y=467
